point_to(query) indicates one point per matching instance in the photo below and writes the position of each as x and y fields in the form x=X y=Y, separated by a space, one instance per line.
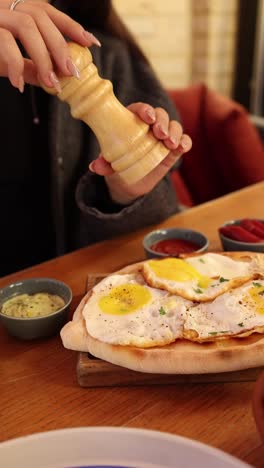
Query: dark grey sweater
x=50 y=163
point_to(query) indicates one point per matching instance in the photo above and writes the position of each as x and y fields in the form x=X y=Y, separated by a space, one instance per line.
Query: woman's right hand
x=40 y=28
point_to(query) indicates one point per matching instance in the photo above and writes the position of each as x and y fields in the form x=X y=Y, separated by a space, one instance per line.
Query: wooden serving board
x=93 y=372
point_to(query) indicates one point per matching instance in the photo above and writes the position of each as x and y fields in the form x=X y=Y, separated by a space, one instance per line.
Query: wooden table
x=38 y=387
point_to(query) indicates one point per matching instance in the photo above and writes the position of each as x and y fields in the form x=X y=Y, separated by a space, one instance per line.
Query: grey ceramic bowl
x=234 y=245
x=36 y=327
x=173 y=233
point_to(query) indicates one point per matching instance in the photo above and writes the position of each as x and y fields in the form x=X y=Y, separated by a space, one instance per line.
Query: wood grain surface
x=93 y=372
x=38 y=384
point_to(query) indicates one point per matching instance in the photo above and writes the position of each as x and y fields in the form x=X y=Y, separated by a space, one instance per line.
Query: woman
x=50 y=202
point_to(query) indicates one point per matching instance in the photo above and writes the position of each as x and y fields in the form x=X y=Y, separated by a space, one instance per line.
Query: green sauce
x=32 y=305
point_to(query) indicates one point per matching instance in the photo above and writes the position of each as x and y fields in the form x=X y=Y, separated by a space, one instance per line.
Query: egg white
x=216 y=265
x=159 y=322
x=233 y=313
x=212 y=275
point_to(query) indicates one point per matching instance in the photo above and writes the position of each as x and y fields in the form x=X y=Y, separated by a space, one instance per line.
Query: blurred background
x=217 y=42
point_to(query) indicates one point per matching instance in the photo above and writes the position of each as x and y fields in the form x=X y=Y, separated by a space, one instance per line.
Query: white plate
x=111 y=447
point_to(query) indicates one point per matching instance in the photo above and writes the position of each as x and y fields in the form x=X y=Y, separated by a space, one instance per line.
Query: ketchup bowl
x=245 y=234
x=173 y=242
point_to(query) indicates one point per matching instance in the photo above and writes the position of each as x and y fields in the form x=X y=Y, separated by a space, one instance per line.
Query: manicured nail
x=183 y=145
x=151 y=114
x=90 y=37
x=91 y=166
x=163 y=131
x=55 y=81
x=21 y=84
x=73 y=69
x=173 y=140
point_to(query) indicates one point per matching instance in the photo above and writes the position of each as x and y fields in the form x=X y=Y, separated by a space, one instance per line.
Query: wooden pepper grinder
x=125 y=140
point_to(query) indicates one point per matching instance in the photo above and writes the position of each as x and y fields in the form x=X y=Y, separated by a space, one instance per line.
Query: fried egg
x=200 y=278
x=236 y=312
x=124 y=310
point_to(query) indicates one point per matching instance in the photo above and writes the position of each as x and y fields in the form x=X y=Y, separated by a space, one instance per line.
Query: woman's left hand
x=170 y=132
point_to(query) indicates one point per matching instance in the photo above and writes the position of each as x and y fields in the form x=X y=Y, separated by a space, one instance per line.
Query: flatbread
x=180 y=357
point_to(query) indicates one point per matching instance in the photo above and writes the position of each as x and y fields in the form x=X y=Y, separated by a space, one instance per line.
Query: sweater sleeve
x=101 y=218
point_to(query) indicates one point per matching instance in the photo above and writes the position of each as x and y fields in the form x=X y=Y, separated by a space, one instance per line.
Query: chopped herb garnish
x=258 y=285
x=212 y=333
x=261 y=293
x=222 y=280
x=224 y=331
x=201 y=260
x=198 y=291
x=162 y=311
x=240 y=324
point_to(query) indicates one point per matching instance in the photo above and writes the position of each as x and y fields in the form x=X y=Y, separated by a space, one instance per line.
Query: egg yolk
x=124 y=299
x=175 y=269
x=257 y=294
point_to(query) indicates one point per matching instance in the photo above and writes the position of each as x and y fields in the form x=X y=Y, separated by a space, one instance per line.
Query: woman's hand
x=170 y=132
x=40 y=28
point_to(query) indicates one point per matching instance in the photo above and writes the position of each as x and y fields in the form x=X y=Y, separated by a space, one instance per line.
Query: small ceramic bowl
x=235 y=245
x=152 y=237
x=36 y=327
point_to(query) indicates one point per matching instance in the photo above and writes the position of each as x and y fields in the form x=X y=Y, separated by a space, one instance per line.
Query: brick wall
x=186 y=40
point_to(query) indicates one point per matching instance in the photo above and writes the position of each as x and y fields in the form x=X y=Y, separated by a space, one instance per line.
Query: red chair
x=227 y=152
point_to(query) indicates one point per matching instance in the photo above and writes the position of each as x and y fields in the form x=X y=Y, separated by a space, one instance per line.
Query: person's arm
x=100 y=216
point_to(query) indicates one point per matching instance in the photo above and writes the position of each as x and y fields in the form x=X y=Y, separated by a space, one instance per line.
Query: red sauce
x=174 y=246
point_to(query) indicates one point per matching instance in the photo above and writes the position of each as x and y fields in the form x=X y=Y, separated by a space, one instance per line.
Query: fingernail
x=173 y=140
x=73 y=69
x=90 y=37
x=55 y=81
x=183 y=145
x=91 y=166
x=163 y=130
x=151 y=114
x=181 y=148
x=21 y=84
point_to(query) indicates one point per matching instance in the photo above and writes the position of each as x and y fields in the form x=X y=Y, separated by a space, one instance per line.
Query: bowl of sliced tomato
x=242 y=235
